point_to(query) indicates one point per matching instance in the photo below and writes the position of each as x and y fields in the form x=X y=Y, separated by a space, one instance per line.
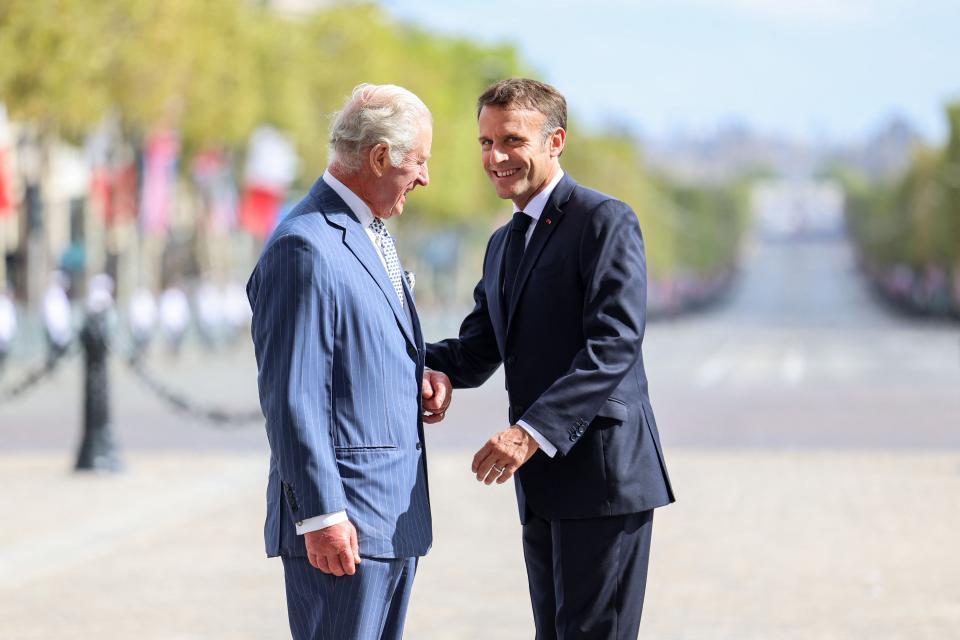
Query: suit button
x=511 y=359
x=419 y=446
x=573 y=438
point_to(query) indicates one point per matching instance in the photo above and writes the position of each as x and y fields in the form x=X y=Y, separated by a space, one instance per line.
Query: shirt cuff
x=545 y=444
x=320 y=522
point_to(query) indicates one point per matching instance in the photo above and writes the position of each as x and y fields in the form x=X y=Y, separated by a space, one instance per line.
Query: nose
x=497 y=155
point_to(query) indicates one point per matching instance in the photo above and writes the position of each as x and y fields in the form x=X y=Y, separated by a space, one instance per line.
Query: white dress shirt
x=534 y=209
x=359 y=208
x=365 y=216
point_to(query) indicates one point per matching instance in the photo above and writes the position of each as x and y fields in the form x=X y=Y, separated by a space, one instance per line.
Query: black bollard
x=97 y=452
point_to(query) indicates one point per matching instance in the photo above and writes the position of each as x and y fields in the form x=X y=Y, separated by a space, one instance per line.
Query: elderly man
x=340 y=357
x=562 y=304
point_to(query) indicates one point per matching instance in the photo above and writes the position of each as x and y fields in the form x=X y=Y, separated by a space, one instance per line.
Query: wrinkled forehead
x=510 y=118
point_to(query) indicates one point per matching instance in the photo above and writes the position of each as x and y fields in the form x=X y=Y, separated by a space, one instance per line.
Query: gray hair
x=376 y=114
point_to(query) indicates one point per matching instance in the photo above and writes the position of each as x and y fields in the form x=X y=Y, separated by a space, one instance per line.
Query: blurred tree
x=920 y=213
x=216 y=70
x=950 y=180
x=611 y=162
x=908 y=230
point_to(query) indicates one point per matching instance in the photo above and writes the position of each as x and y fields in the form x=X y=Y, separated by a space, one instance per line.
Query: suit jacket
x=570 y=341
x=340 y=365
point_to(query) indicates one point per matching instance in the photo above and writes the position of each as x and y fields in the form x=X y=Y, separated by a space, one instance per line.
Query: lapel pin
x=548 y=220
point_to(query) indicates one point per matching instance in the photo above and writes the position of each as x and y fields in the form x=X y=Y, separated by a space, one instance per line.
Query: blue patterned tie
x=389 y=251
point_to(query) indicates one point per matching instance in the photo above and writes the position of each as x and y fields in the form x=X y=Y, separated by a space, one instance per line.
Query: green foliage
x=707 y=224
x=216 y=69
x=611 y=163
x=914 y=220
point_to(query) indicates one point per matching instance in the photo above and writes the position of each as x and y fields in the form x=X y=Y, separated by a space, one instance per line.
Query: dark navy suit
x=570 y=341
x=340 y=366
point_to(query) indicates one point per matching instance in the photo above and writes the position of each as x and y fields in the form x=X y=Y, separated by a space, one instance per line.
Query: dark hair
x=523 y=93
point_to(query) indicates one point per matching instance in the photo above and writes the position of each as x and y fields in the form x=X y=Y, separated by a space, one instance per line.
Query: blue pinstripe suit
x=340 y=364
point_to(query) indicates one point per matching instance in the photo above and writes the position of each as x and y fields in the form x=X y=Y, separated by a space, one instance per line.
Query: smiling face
x=388 y=186
x=517 y=157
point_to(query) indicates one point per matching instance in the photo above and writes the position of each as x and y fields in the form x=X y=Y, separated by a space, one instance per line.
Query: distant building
x=734 y=151
x=798 y=209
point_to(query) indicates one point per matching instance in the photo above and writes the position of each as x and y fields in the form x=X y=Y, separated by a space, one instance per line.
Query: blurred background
x=795 y=168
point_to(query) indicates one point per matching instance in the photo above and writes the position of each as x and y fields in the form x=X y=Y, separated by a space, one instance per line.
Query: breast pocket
x=550 y=269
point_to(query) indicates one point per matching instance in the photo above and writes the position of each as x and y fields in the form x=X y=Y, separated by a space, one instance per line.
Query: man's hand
x=437 y=391
x=334 y=549
x=503 y=454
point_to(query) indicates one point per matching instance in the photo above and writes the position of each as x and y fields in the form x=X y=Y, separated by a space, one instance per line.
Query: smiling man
x=562 y=304
x=340 y=358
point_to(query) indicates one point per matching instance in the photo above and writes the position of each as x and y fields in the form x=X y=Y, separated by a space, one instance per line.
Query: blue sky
x=814 y=69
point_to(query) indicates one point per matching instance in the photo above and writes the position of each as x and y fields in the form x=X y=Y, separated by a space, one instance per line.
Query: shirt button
x=419 y=446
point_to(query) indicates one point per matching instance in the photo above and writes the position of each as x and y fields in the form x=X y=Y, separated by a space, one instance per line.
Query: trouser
x=587 y=577
x=369 y=605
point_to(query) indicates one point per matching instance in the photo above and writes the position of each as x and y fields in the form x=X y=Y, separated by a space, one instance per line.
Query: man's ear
x=379 y=159
x=557 y=140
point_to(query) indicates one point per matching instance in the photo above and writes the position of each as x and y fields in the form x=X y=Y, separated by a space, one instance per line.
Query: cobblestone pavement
x=763 y=545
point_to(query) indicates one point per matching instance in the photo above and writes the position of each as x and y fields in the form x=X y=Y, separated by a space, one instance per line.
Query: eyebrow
x=508 y=134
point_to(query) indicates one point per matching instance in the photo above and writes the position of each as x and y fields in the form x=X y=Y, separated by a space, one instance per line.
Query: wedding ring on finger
x=499 y=470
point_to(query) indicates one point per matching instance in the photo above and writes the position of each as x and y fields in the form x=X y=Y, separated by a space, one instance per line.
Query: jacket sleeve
x=470 y=359
x=293 y=336
x=613 y=269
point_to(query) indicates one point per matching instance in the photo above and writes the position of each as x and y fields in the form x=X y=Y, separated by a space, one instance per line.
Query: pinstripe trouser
x=369 y=605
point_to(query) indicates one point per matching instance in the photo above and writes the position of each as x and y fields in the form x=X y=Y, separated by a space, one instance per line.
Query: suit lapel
x=492 y=282
x=356 y=240
x=549 y=220
x=414 y=318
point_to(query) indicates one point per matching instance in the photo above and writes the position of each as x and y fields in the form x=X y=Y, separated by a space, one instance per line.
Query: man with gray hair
x=342 y=382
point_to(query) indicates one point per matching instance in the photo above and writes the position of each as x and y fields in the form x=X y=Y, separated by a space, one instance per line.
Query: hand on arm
x=503 y=454
x=334 y=549
x=437 y=393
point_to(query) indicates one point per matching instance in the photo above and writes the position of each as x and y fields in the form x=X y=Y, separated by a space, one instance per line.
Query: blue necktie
x=516 y=242
x=389 y=256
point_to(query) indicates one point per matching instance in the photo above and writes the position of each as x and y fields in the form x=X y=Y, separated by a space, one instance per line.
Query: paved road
x=811 y=434
x=763 y=545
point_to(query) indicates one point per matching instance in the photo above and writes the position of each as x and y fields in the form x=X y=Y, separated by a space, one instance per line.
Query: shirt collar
x=357 y=206
x=538 y=202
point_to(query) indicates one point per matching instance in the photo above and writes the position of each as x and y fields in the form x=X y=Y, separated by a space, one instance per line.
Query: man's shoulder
x=596 y=208
x=587 y=198
x=305 y=222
